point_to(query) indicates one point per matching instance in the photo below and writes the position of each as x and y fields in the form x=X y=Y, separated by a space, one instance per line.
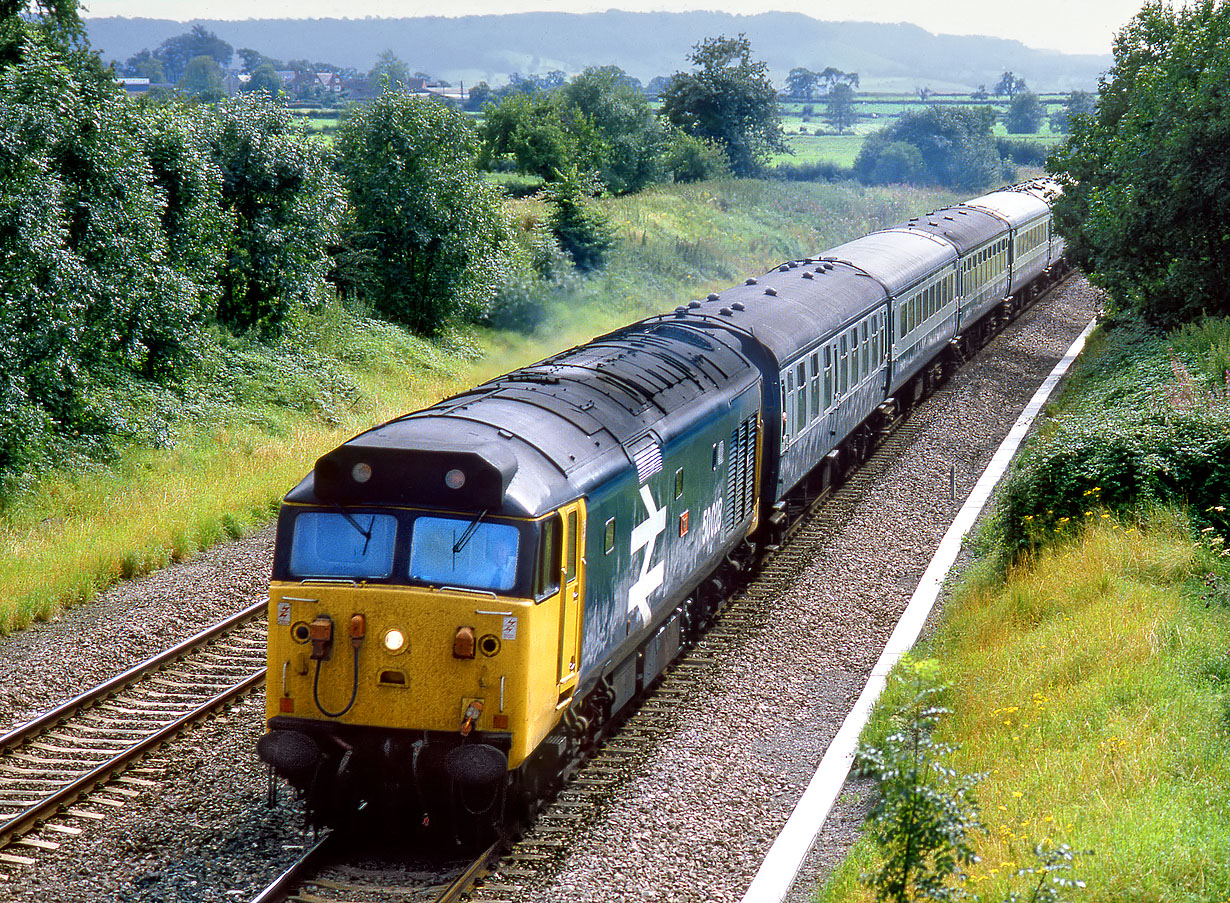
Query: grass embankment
x=250 y=429
x=1090 y=680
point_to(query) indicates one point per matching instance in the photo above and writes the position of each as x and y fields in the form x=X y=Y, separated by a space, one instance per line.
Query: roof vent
x=750 y=282
x=784 y=268
x=738 y=305
x=712 y=297
x=726 y=312
x=693 y=304
x=829 y=266
x=792 y=264
x=771 y=292
x=949 y=218
x=809 y=276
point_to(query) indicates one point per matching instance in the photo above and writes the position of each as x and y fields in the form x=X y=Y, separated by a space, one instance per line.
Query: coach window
x=855 y=375
x=679 y=482
x=901 y=326
x=814 y=364
x=866 y=346
x=608 y=536
x=843 y=373
x=828 y=376
x=800 y=411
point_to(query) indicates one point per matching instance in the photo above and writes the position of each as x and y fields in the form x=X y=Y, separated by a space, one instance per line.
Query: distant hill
x=474 y=48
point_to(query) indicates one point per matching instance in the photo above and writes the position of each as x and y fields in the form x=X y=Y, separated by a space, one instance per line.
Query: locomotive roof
x=1017 y=207
x=897 y=258
x=791 y=308
x=533 y=439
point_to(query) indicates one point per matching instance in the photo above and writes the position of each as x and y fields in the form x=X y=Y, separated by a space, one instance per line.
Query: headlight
x=394 y=641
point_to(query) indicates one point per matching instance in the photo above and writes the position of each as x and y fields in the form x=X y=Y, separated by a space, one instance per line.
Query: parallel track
x=77 y=748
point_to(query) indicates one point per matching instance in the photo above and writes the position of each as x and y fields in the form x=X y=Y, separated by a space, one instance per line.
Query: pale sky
x=1071 y=26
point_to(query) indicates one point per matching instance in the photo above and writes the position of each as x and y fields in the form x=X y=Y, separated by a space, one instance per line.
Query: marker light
x=394 y=640
x=361 y=472
x=454 y=479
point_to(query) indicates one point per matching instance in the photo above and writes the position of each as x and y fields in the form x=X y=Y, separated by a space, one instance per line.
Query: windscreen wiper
x=366 y=534
x=469 y=533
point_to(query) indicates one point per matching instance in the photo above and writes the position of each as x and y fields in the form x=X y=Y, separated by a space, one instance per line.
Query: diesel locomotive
x=464 y=597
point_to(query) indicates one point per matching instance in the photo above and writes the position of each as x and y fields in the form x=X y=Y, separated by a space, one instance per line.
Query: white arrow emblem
x=644 y=536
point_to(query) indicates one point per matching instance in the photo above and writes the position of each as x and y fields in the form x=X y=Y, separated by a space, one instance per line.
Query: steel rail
x=53 y=717
x=277 y=890
x=465 y=881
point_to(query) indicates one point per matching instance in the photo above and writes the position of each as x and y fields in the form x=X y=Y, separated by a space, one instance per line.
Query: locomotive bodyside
x=461 y=594
x=430 y=615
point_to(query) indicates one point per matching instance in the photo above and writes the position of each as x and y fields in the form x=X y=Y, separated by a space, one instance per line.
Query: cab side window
x=547 y=567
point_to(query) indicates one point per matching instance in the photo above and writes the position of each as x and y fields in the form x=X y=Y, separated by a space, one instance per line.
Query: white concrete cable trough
x=777 y=873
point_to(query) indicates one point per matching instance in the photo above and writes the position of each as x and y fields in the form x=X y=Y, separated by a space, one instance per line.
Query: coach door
x=572 y=585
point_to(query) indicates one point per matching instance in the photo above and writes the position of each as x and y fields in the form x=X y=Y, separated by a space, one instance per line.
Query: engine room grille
x=741 y=476
x=648 y=460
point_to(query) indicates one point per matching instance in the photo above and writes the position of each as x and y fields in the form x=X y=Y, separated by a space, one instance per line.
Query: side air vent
x=741 y=475
x=647 y=456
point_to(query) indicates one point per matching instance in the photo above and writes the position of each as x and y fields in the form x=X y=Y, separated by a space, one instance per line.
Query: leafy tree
x=980 y=94
x=1146 y=176
x=252 y=59
x=478 y=95
x=583 y=231
x=802 y=82
x=286 y=204
x=839 y=107
x=203 y=79
x=431 y=233
x=90 y=293
x=390 y=72
x=176 y=141
x=175 y=53
x=1079 y=103
x=1009 y=85
x=541 y=134
x=954 y=143
x=1025 y=114
x=145 y=65
x=598 y=123
x=728 y=98
x=657 y=85
x=630 y=139
x=898 y=163
x=831 y=77
x=267 y=80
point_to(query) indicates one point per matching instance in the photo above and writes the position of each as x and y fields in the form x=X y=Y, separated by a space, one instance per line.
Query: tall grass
x=1093 y=689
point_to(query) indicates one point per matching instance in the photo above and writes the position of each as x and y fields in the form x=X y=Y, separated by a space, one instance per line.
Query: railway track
x=327 y=873
x=77 y=761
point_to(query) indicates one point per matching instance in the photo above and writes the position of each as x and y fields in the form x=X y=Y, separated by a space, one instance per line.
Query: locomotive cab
x=417 y=653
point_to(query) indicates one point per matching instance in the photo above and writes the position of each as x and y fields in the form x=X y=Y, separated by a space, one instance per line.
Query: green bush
x=1154 y=428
